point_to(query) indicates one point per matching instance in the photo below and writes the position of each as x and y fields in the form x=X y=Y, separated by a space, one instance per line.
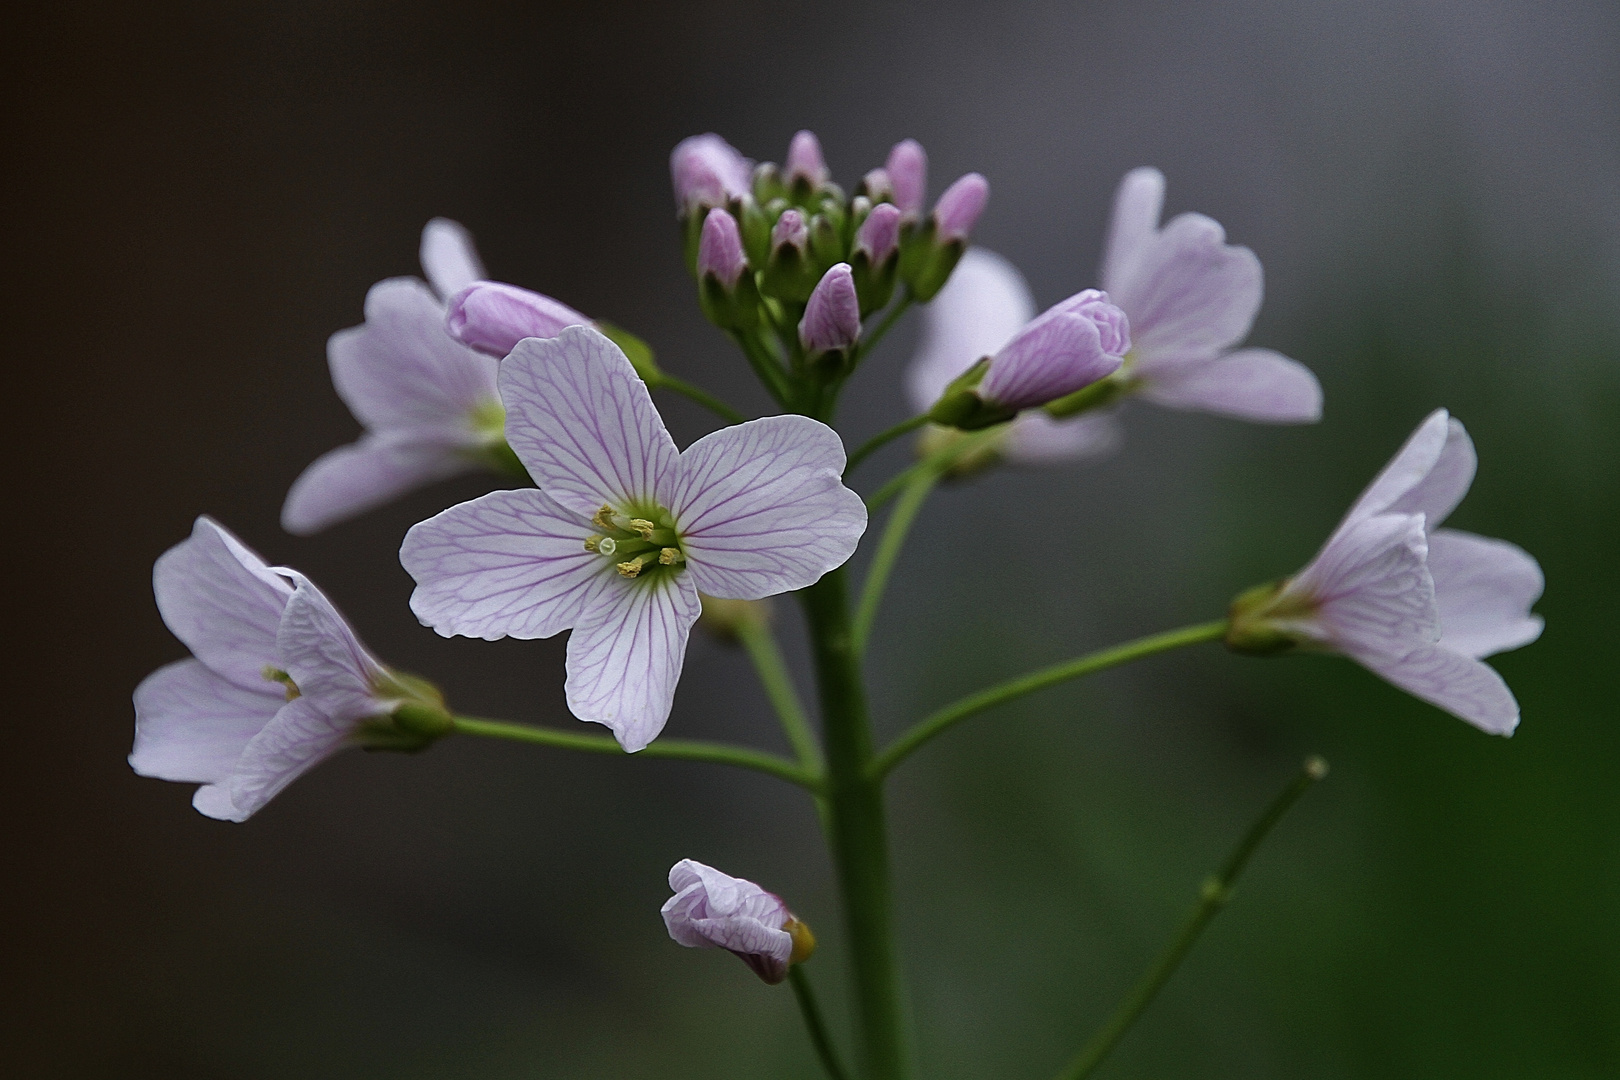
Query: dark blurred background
x=199 y=194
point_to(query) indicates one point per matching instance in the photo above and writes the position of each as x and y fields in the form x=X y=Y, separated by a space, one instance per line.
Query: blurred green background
x=200 y=194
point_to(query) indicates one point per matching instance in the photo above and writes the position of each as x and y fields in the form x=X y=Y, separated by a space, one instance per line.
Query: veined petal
x=296 y=739
x=1371 y=587
x=400 y=370
x=350 y=480
x=1484 y=588
x=1429 y=474
x=508 y=564
x=583 y=423
x=1189 y=294
x=324 y=657
x=449 y=257
x=1034 y=438
x=625 y=655
x=762 y=509
x=223 y=601
x=191 y=724
x=1137 y=206
x=981 y=307
x=1466 y=688
x=1055 y=355
x=1250 y=384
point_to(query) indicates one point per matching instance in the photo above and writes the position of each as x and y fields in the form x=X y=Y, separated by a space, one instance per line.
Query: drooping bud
x=806 y=169
x=712 y=910
x=876 y=256
x=832 y=318
x=958 y=210
x=720 y=251
x=492 y=317
x=907 y=169
x=707 y=171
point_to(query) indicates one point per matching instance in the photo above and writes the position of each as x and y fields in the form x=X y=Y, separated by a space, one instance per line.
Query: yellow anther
x=591 y=542
x=275 y=674
x=670 y=556
x=642 y=526
x=603 y=518
x=631 y=568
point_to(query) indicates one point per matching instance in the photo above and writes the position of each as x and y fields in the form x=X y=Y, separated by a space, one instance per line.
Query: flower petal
x=1057 y=354
x=1137 y=206
x=1034 y=438
x=350 y=480
x=1371 y=587
x=583 y=423
x=1484 y=588
x=1428 y=475
x=297 y=739
x=762 y=509
x=1250 y=384
x=191 y=724
x=326 y=660
x=981 y=307
x=625 y=655
x=1466 y=688
x=1188 y=294
x=223 y=601
x=400 y=370
x=507 y=564
x=449 y=257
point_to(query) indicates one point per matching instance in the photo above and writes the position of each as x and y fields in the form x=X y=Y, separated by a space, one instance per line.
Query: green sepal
x=768 y=183
x=789 y=275
x=1251 y=630
x=638 y=352
x=826 y=243
x=874 y=285
x=737 y=309
x=966 y=411
x=755 y=226
x=1100 y=394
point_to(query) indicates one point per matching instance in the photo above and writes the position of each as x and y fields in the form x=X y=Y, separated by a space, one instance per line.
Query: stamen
x=670 y=556
x=592 y=542
x=642 y=526
x=633 y=567
x=603 y=518
x=275 y=674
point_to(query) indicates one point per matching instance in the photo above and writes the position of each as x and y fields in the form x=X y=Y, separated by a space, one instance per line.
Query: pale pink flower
x=711 y=910
x=277 y=681
x=1414 y=603
x=624 y=529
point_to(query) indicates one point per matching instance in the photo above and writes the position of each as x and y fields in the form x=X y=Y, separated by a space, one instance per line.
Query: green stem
x=819 y=1036
x=854 y=799
x=952 y=714
x=882 y=439
x=760 y=642
x=869 y=341
x=701 y=396
x=940 y=462
x=683 y=749
x=765 y=366
x=894 y=539
x=1216 y=891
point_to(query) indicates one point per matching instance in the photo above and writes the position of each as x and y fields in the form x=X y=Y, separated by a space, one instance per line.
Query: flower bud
x=875 y=256
x=832 y=318
x=876 y=186
x=958 y=210
x=707 y=171
x=930 y=252
x=790 y=229
x=790 y=273
x=711 y=910
x=492 y=317
x=720 y=251
x=806 y=168
x=907 y=170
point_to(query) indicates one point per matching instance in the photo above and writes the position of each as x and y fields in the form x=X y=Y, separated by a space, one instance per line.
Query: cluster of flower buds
x=785 y=242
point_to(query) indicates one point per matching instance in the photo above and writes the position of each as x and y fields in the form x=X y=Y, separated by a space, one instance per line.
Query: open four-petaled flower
x=624 y=529
x=1412 y=602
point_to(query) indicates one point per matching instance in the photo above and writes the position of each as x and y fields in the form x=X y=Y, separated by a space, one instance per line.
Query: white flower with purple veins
x=428 y=403
x=277 y=681
x=1414 y=603
x=1191 y=297
x=981 y=307
x=711 y=910
x=624 y=529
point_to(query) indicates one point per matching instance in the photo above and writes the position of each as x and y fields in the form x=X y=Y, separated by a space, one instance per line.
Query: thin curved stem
x=888 y=552
x=882 y=439
x=940 y=462
x=1212 y=896
x=701 y=396
x=766 y=366
x=682 y=749
x=1001 y=693
x=814 y=1022
x=756 y=637
x=869 y=341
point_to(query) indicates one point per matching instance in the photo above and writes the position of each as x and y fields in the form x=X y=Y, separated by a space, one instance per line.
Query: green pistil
x=641 y=544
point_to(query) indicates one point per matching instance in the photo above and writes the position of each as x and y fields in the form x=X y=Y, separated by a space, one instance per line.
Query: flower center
x=641 y=543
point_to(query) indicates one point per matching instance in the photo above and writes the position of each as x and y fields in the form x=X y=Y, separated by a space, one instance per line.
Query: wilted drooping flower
x=276 y=684
x=428 y=403
x=711 y=910
x=1413 y=603
x=492 y=316
x=624 y=529
x=984 y=304
x=1191 y=297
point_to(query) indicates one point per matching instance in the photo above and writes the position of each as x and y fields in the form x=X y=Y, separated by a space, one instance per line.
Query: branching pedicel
x=622 y=539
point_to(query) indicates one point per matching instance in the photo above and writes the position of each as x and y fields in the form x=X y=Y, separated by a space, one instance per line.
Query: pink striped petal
x=1250 y=384
x=324 y=657
x=449 y=257
x=1464 y=687
x=1371 y=587
x=1484 y=588
x=350 y=480
x=191 y=725
x=1429 y=475
x=1189 y=294
x=1135 y=223
x=296 y=739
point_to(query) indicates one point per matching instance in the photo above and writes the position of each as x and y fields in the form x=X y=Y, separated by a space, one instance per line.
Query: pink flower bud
x=879 y=234
x=720 y=250
x=790 y=228
x=711 y=910
x=1069 y=347
x=908 y=172
x=832 y=318
x=804 y=159
x=492 y=316
x=958 y=210
x=877 y=185
x=708 y=171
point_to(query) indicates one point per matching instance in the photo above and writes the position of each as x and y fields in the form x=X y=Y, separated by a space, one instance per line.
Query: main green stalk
x=855 y=830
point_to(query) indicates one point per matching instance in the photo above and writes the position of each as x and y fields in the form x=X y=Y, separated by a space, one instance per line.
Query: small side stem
x=817 y=1026
x=958 y=711
x=888 y=552
x=1216 y=891
x=940 y=462
x=877 y=442
x=892 y=316
x=765 y=366
x=683 y=749
x=756 y=637
x=701 y=396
